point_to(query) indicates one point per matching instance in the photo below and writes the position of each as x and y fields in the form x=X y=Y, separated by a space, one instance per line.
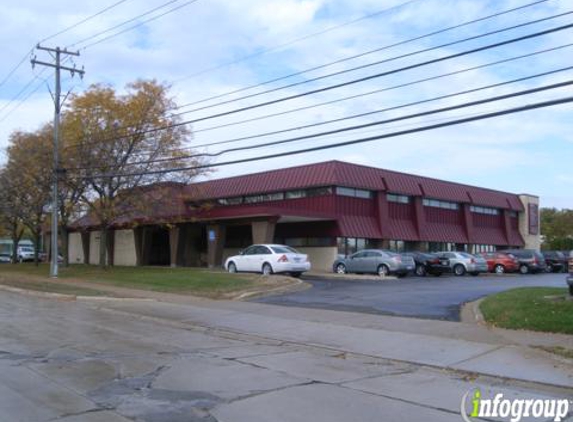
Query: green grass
x=175 y=280
x=530 y=308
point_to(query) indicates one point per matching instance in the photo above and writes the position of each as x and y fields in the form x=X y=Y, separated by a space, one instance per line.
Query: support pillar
x=173 y=245
x=215 y=243
x=263 y=231
x=138 y=238
x=86 y=246
x=110 y=247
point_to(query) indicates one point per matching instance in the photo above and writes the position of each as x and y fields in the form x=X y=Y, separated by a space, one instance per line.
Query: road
x=421 y=297
x=116 y=361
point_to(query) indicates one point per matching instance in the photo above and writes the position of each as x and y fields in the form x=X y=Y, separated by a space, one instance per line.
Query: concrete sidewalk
x=437 y=344
x=216 y=361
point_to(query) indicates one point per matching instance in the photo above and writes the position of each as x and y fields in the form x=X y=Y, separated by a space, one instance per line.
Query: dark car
x=530 y=261
x=427 y=263
x=570 y=276
x=556 y=261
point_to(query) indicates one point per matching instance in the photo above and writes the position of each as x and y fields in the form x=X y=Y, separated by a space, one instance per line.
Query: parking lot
x=420 y=297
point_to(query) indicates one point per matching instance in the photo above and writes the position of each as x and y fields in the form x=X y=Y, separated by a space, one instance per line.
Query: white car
x=269 y=259
x=25 y=253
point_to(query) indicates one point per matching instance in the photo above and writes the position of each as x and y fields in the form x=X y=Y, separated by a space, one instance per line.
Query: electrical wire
x=366 y=53
x=347 y=83
x=370 y=124
x=490 y=115
x=376 y=63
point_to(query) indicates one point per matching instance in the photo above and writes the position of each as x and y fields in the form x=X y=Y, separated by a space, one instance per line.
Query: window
x=396 y=245
x=283 y=249
x=294 y=194
x=484 y=210
x=356 y=193
x=513 y=214
x=401 y=199
x=440 y=204
x=230 y=201
x=262 y=250
x=264 y=198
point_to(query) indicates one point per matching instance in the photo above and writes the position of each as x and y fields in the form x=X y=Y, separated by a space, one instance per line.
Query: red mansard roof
x=338 y=173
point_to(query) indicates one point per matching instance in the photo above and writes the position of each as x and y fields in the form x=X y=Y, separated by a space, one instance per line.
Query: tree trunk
x=37 y=238
x=15 y=242
x=65 y=237
x=102 y=247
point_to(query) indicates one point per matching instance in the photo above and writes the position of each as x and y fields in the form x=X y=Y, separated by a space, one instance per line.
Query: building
x=322 y=209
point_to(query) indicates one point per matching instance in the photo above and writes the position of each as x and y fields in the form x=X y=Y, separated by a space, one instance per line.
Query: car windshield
x=27 y=249
x=283 y=249
x=466 y=255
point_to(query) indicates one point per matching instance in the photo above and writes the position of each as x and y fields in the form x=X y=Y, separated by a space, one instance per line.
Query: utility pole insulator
x=59 y=172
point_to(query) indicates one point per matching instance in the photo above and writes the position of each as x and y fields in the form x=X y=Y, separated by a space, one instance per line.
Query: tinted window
x=252 y=250
x=283 y=249
x=373 y=254
x=262 y=250
x=359 y=255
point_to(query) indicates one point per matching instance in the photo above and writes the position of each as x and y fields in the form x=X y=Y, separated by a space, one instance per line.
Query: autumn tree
x=29 y=173
x=10 y=211
x=557 y=229
x=117 y=143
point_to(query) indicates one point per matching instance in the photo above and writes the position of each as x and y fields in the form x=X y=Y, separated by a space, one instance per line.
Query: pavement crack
x=479 y=355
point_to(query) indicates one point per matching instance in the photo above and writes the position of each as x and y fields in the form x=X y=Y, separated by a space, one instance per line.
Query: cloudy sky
x=208 y=48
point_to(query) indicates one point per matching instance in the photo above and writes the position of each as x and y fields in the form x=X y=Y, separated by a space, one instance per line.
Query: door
x=356 y=262
x=245 y=260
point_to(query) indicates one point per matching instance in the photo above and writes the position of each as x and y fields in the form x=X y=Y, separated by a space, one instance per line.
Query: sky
x=208 y=48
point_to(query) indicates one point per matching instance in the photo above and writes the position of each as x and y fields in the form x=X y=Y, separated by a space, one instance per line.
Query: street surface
x=422 y=297
x=111 y=361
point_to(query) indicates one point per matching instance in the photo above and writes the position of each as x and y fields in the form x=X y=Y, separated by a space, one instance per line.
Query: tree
x=10 y=215
x=107 y=135
x=29 y=173
x=557 y=229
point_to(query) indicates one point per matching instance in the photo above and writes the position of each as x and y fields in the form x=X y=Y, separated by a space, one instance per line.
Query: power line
x=348 y=83
x=376 y=123
x=454 y=122
x=366 y=53
x=69 y=28
x=376 y=91
x=135 y=18
x=376 y=63
x=294 y=41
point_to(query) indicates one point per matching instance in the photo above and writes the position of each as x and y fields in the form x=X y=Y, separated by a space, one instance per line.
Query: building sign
x=212 y=235
x=533 y=212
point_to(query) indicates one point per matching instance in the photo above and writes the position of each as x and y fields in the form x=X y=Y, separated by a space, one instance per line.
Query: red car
x=499 y=263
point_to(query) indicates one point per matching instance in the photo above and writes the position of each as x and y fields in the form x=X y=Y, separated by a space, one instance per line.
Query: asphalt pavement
x=420 y=297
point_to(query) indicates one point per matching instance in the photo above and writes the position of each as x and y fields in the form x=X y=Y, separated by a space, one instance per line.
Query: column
x=215 y=244
x=264 y=231
x=110 y=247
x=173 y=245
x=86 y=246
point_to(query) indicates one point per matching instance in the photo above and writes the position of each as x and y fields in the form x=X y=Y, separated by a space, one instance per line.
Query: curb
x=354 y=277
x=470 y=313
x=299 y=286
x=70 y=298
x=49 y=295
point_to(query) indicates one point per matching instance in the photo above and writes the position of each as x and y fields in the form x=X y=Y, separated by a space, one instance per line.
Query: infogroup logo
x=474 y=405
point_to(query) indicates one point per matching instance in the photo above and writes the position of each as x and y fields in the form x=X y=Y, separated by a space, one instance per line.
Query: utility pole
x=56 y=53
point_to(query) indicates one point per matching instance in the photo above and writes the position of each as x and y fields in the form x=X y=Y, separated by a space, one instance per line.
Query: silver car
x=375 y=261
x=463 y=262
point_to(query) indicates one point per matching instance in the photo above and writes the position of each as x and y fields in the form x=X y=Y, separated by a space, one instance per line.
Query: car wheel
x=232 y=268
x=459 y=270
x=499 y=269
x=341 y=269
x=523 y=269
x=295 y=275
x=383 y=270
x=420 y=270
x=267 y=269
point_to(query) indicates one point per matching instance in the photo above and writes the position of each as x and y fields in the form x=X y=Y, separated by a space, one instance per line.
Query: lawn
x=174 y=280
x=530 y=308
